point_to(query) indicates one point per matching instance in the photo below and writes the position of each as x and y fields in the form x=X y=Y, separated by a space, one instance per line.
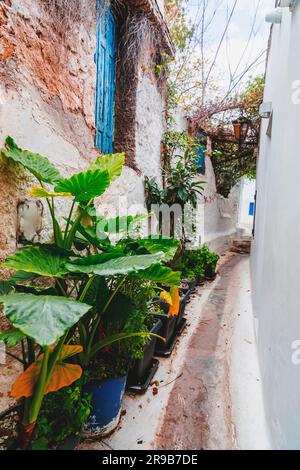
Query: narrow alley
x=149 y=227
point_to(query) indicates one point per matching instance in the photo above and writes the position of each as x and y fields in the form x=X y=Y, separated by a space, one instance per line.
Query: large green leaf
x=88 y=263
x=5 y=288
x=85 y=186
x=39 y=166
x=12 y=337
x=42 y=318
x=169 y=246
x=119 y=224
x=119 y=265
x=20 y=278
x=113 y=163
x=38 y=260
x=162 y=274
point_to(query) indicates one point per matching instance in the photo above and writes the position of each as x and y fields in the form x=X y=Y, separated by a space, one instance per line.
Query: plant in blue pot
x=120 y=283
x=108 y=368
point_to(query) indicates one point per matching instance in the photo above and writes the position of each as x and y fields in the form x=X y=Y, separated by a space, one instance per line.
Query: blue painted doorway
x=105 y=59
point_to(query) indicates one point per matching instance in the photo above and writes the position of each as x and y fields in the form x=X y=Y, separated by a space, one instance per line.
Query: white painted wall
x=219 y=214
x=247 y=196
x=276 y=253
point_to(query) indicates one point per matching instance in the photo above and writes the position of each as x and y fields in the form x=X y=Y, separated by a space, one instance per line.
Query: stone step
x=241 y=246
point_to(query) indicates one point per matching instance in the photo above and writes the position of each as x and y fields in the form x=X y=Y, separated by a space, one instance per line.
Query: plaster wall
x=220 y=214
x=275 y=253
x=245 y=221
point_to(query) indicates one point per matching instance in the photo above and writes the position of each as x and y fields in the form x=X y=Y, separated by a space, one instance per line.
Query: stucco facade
x=275 y=254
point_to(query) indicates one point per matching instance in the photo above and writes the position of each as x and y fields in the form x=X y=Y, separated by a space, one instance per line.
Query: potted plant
x=144 y=367
x=181 y=321
x=210 y=262
x=60 y=293
x=193 y=262
x=166 y=308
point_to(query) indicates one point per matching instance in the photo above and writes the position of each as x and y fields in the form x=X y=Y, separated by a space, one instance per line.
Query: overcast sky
x=234 y=49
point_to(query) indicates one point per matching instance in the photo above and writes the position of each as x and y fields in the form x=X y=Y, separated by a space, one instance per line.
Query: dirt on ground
x=198 y=415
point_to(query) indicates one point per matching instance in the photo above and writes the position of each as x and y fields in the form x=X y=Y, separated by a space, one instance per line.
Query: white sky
x=233 y=48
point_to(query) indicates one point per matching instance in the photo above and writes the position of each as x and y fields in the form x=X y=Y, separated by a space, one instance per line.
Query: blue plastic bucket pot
x=106 y=404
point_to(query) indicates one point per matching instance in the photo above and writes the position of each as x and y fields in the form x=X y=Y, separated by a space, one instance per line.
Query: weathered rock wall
x=47 y=87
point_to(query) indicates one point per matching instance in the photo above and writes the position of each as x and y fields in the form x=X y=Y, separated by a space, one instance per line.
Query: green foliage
x=95 y=300
x=153 y=193
x=182 y=185
x=5 y=288
x=63 y=414
x=192 y=263
x=112 y=163
x=85 y=186
x=12 y=337
x=231 y=162
x=39 y=166
x=120 y=224
x=41 y=260
x=161 y=274
x=120 y=266
x=42 y=318
x=209 y=257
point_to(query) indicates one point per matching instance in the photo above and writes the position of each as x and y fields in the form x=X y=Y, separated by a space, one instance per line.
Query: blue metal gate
x=105 y=59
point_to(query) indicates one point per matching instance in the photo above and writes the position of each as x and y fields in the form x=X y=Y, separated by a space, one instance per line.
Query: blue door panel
x=105 y=59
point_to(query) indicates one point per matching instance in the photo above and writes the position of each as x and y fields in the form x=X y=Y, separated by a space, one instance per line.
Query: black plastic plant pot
x=167 y=330
x=184 y=287
x=210 y=272
x=143 y=370
x=183 y=302
x=199 y=280
x=191 y=283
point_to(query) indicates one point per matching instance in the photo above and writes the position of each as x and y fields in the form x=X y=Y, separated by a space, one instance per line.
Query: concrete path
x=217 y=403
x=208 y=394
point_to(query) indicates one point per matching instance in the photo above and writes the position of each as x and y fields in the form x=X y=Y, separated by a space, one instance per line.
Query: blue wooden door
x=105 y=59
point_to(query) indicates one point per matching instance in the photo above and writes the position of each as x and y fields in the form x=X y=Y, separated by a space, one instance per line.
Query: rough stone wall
x=46 y=100
x=150 y=125
x=58 y=63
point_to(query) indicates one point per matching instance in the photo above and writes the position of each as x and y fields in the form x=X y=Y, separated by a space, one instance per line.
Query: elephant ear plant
x=57 y=296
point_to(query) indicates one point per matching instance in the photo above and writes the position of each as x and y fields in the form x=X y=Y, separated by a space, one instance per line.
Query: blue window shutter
x=200 y=160
x=105 y=59
x=200 y=152
x=251 y=208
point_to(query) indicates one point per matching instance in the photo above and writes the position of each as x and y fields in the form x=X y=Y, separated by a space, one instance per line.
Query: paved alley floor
x=208 y=394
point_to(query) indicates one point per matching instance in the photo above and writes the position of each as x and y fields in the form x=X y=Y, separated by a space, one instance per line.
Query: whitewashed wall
x=247 y=196
x=276 y=253
x=218 y=215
